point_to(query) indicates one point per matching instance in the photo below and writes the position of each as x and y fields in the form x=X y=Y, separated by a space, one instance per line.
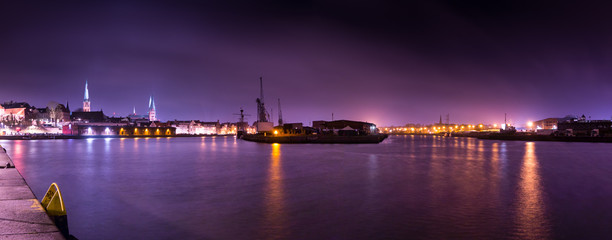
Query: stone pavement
x=21 y=215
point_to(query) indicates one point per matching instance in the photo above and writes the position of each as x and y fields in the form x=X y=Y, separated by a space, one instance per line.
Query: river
x=407 y=187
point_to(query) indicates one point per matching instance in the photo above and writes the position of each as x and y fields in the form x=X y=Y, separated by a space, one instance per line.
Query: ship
x=314 y=138
x=339 y=131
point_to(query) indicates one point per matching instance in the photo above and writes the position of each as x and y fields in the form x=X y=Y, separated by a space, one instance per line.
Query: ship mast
x=280 y=114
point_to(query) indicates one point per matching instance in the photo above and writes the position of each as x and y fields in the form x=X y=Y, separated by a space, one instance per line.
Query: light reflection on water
x=408 y=187
x=275 y=215
x=531 y=217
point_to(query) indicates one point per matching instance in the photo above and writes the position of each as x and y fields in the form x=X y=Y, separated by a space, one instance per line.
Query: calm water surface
x=408 y=187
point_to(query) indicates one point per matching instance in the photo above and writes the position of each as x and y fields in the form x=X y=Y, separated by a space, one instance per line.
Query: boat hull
x=315 y=139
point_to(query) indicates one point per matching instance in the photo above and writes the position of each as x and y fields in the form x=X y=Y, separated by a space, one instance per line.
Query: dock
x=21 y=214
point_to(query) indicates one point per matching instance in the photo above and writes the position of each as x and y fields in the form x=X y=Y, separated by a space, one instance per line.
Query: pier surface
x=21 y=215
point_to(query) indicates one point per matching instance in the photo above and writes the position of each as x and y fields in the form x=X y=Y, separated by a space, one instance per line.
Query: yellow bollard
x=53 y=203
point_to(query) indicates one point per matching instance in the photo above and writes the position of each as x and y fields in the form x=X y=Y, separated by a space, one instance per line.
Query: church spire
x=86 y=103
x=151 y=103
x=152 y=116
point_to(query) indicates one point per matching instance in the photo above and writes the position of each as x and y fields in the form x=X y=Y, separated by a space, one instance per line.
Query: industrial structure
x=262 y=124
x=280 y=114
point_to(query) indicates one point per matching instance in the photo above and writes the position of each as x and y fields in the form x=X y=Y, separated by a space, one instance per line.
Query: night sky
x=385 y=62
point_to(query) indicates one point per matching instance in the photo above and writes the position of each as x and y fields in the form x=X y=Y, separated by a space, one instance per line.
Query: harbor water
x=407 y=187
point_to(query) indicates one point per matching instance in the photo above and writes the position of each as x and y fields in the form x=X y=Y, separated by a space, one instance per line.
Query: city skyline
x=387 y=64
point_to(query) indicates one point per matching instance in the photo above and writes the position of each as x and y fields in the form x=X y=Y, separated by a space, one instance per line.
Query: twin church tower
x=87 y=104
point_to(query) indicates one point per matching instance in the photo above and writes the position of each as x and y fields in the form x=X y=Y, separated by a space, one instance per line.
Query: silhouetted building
x=583 y=127
x=95 y=116
x=360 y=127
x=292 y=128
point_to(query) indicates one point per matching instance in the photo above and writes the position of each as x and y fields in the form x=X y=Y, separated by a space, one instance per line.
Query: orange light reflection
x=275 y=216
x=531 y=220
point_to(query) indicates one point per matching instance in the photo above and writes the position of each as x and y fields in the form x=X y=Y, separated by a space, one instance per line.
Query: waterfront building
x=227 y=128
x=195 y=127
x=85 y=114
x=116 y=129
x=117 y=120
x=150 y=116
x=41 y=116
x=137 y=119
x=360 y=127
x=546 y=124
x=292 y=128
x=182 y=127
x=16 y=113
x=21 y=118
x=88 y=117
x=583 y=127
x=59 y=114
x=208 y=128
x=86 y=103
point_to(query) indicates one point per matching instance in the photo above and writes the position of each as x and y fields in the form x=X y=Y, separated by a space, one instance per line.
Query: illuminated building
x=546 y=124
x=152 y=117
x=195 y=127
x=114 y=130
x=227 y=128
x=16 y=113
x=85 y=114
x=86 y=103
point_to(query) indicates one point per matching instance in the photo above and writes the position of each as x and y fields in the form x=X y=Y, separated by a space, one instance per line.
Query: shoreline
x=523 y=137
x=315 y=139
x=478 y=135
x=58 y=137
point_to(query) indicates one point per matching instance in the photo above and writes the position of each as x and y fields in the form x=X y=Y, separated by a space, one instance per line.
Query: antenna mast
x=280 y=114
x=505 y=120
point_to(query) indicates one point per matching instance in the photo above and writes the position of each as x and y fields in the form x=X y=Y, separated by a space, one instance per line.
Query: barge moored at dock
x=311 y=138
